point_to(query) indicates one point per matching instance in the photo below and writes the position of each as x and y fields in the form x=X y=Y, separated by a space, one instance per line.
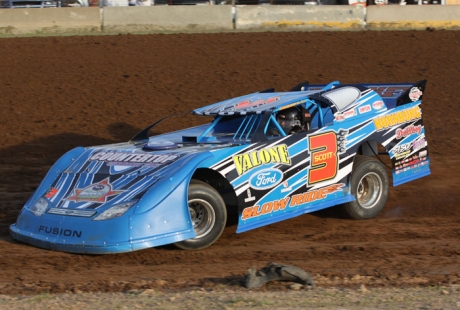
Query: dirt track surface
x=60 y=92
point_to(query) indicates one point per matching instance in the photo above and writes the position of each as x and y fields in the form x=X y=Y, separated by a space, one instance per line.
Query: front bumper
x=61 y=244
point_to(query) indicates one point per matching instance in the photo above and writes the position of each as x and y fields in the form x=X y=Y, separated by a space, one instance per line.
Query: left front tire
x=208 y=213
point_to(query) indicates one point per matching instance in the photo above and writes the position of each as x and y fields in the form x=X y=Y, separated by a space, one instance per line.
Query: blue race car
x=267 y=156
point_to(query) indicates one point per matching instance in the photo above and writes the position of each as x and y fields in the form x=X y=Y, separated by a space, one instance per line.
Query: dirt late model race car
x=267 y=156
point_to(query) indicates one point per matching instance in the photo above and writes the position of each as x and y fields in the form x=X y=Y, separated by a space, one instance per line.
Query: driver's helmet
x=288 y=119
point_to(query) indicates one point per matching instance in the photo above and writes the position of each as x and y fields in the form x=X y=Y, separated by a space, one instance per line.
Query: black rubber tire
x=208 y=213
x=369 y=184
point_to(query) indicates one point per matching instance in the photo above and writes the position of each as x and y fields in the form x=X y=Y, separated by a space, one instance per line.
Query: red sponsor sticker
x=51 y=192
x=364 y=109
x=256 y=102
x=349 y=113
x=339 y=117
x=378 y=105
x=407 y=131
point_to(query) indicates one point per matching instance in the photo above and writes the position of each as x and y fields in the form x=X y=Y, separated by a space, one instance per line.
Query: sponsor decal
x=402 y=155
x=377 y=105
x=402 y=150
x=250 y=197
x=51 y=192
x=315 y=195
x=364 y=109
x=324 y=150
x=342 y=116
x=418 y=144
x=410 y=163
x=402 y=147
x=266 y=208
x=255 y=103
x=339 y=117
x=60 y=231
x=278 y=154
x=409 y=130
x=397 y=118
x=349 y=113
x=133 y=159
x=281 y=204
x=415 y=94
x=266 y=179
x=286 y=187
x=97 y=192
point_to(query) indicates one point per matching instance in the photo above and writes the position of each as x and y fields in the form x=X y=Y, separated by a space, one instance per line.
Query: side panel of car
x=404 y=137
x=288 y=176
x=309 y=171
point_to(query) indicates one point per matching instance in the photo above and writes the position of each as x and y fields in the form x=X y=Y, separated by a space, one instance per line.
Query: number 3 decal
x=324 y=160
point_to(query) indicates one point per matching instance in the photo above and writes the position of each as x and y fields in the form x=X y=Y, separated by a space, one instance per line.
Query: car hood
x=108 y=175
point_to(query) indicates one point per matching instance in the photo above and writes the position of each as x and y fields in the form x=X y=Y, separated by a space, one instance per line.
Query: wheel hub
x=369 y=190
x=202 y=215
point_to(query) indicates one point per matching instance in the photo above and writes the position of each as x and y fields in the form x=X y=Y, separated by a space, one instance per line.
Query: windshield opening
x=235 y=127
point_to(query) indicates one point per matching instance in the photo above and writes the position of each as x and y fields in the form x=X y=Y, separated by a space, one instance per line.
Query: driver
x=294 y=119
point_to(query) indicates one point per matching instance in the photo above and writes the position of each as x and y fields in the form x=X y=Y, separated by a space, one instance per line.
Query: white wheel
x=203 y=216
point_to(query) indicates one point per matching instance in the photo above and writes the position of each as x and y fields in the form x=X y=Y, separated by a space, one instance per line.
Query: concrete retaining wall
x=300 y=17
x=413 y=17
x=216 y=18
x=49 y=21
x=168 y=18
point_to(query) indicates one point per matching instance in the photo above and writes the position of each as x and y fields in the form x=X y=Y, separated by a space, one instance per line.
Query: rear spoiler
x=415 y=93
x=395 y=94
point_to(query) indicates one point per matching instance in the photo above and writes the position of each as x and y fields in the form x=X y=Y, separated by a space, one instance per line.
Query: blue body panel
x=131 y=196
x=150 y=222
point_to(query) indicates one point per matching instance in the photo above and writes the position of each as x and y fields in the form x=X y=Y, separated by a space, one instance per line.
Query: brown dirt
x=60 y=92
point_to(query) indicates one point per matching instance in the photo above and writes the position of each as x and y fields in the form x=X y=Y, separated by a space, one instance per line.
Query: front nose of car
x=73 y=233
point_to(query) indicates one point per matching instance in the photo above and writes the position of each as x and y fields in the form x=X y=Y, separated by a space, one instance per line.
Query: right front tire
x=208 y=213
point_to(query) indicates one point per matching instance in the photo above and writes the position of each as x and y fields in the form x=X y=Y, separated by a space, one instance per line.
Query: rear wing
x=393 y=94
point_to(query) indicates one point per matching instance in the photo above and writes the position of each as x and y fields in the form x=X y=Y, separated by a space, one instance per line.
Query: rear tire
x=208 y=214
x=370 y=185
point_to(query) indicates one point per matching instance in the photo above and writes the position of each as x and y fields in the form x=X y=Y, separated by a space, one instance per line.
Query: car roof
x=255 y=103
x=339 y=97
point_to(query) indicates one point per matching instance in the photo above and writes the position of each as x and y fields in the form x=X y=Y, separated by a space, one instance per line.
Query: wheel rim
x=369 y=190
x=203 y=216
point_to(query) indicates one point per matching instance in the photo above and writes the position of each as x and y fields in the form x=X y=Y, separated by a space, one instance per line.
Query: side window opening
x=273 y=129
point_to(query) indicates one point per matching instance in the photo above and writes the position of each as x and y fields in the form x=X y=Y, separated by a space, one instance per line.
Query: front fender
x=58 y=167
x=161 y=215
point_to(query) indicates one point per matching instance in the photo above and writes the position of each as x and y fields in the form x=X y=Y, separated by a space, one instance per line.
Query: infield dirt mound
x=60 y=92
